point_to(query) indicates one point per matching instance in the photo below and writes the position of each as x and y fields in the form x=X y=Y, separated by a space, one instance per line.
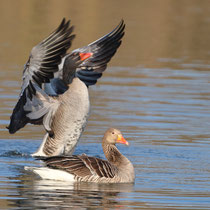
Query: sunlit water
x=163 y=113
x=156 y=91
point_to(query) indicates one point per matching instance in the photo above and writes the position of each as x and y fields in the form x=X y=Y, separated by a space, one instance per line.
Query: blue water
x=163 y=113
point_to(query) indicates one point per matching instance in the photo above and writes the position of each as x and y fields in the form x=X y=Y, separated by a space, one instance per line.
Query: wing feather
x=81 y=165
x=43 y=62
x=103 y=50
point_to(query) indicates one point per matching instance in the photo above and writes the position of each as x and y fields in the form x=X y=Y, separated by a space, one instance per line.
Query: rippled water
x=156 y=91
x=163 y=113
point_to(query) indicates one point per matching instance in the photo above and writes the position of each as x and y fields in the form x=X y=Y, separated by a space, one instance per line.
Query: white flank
x=52 y=174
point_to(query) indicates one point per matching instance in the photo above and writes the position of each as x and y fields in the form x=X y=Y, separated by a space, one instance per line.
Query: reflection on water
x=72 y=195
x=159 y=97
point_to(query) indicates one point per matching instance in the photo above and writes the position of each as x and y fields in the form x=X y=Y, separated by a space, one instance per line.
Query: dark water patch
x=15 y=154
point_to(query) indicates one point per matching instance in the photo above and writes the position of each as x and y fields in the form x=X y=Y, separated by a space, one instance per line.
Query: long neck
x=69 y=69
x=68 y=76
x=126 y=170
x=113 y=155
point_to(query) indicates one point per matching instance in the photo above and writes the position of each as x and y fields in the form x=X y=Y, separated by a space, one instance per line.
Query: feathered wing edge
x=41 y=106
x=102 y=51
x=81 y=165
x=46 y=56
x=42 y=63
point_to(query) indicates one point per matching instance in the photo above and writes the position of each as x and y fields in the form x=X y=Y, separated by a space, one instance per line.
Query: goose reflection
x=39 y=193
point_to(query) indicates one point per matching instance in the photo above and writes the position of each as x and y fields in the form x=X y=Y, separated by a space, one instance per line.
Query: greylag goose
x=55 y=87
x=82 y=168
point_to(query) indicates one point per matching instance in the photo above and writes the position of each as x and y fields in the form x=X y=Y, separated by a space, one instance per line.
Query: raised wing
x=40 y=68
x=46 y=56
x=102 y=51
x=81 y=166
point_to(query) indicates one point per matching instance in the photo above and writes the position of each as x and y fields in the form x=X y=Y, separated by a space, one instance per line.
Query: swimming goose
x=82 y=168
x=55 y=87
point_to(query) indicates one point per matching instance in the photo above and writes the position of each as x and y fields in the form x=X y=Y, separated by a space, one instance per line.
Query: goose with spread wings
x=55 y=87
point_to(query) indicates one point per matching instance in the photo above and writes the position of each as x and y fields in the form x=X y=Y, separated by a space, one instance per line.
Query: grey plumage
x=65 y=120
x=54 y=90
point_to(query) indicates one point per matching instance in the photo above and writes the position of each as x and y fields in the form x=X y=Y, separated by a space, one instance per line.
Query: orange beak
x=84 y=56
x=120 y=139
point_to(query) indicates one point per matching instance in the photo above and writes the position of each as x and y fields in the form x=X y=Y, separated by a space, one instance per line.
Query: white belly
x=52 y=174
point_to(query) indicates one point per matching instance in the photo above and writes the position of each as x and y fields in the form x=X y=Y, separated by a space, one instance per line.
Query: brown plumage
x=116 y=169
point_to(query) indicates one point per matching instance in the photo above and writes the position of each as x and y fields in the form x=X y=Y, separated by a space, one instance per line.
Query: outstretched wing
x=102 y=51
x=40 y=68
x=46 y=56
x=81 y=166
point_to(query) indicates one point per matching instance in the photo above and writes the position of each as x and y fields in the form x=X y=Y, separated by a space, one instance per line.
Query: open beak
x=84 y=56
x=121 y=140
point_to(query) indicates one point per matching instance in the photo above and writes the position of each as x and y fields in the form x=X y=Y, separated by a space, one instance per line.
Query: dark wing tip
x=103 y=50
x=119 y=29
x=63 y=24
x=121 y=24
